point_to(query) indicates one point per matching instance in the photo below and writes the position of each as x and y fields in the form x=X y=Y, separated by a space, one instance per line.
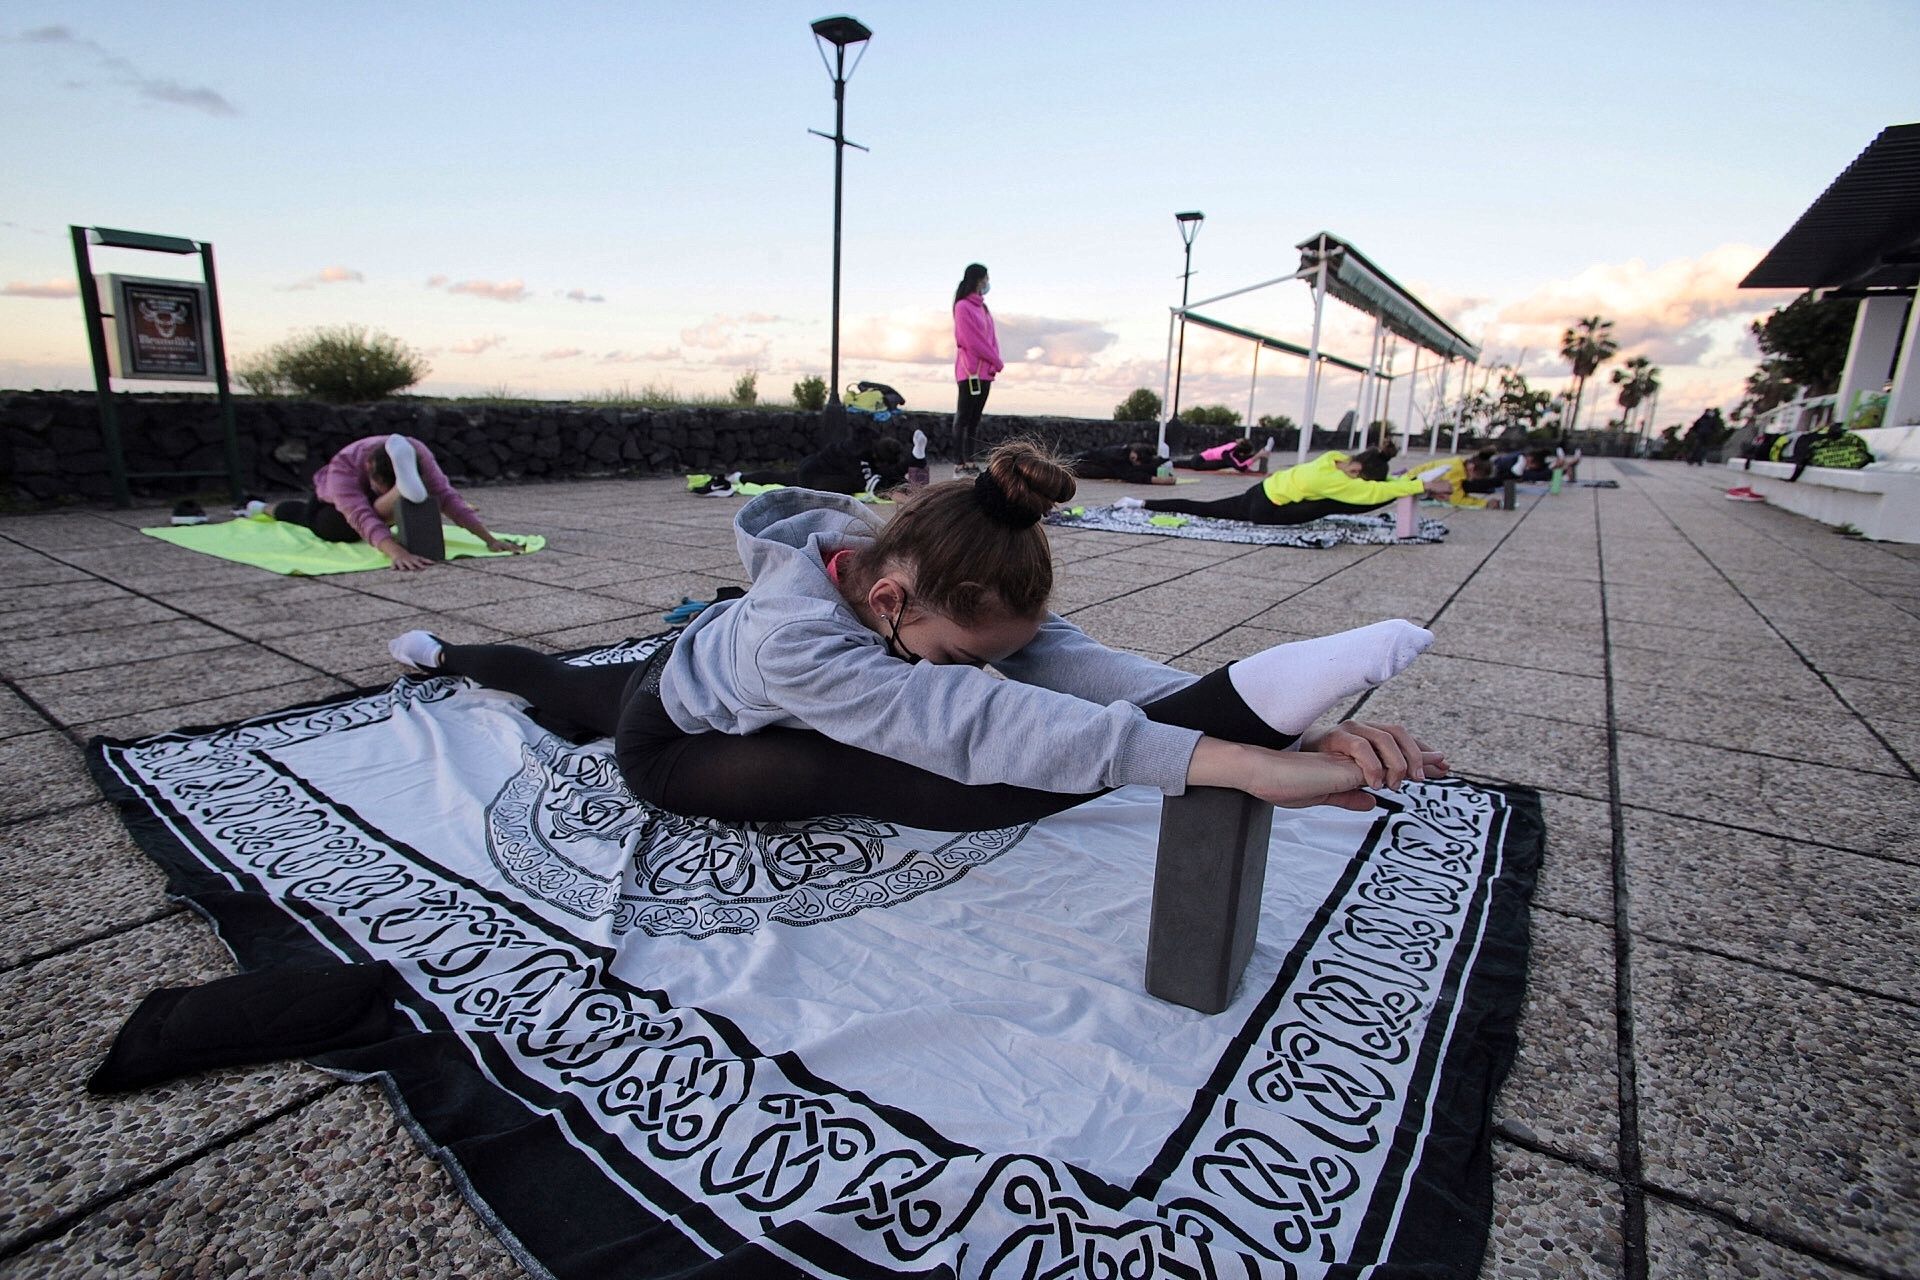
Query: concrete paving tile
x=20 y=568
x=40 y=772
x=54 y=655
x=344 y=649
x=1803 y=729
x=667 y=590
x=1685 y=1242
x=1760 y=652
x=1551 y=1221
x=1543 y=593
x=1547 y=695
x=1541 y=646
x=78 y=697
x=1793 y=1105
x=69 y=876
x=1709 y=611
x=1791 y=682
x=263 y=608
x=1117 y=623
x=24 y=606
x=443 y=587
x=1781 y=797
x=1777 y=902
x=550 y=611
x=60 y=532
x=552 y=569
x=67 y=1147
x=16 y=717
x=1487 y=742
x=1564 y=1090
x=223 y=709
x=1177 y=599
x=604 y=633
x=120 y=610
x=1576 y=875
x=1241 y=642
x=336 y=1188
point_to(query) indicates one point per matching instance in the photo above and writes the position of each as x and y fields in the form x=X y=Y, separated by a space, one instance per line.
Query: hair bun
x=1029 y=481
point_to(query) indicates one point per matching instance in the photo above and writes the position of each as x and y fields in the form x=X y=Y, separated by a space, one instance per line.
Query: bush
x=1210 y=415
x=1276 y=422
x=258 y=374
x=810 y=393
x=746 y=389
x=1140 y=406
x=346 y=364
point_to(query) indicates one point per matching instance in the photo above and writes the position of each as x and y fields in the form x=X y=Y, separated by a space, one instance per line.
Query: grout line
x=100 y=935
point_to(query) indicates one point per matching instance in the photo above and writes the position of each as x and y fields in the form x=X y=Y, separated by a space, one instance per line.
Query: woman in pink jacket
x=975 y=362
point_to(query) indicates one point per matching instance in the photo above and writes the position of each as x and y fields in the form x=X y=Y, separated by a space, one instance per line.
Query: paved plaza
x=1719 y=1065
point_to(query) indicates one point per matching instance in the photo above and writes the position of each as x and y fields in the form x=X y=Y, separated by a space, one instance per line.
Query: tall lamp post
x=842 y=33
x=1189 y=224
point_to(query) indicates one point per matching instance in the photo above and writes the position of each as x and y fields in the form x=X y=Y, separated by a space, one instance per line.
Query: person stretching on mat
x=1331 y=485
x=848 y=680
x=870 y=463
x=1136 y=463
x=356 y=498
x=1235 y=455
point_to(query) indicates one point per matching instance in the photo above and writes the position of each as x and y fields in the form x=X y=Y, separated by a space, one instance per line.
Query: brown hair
x=976 y=547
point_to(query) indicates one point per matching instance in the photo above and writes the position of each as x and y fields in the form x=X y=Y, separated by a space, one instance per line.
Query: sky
x=574 y=199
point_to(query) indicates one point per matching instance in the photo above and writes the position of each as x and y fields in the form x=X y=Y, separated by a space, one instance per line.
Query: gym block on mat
x=1207 y=878
x=420 y=530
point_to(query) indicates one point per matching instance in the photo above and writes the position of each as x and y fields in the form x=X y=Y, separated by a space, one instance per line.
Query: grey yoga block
x=420 y=530
x=1509 y=495
x=1207 y=878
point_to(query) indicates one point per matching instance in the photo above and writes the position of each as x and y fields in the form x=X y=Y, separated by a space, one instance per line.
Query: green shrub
x=1140 y=406
x=746 y=388
x=1210 y=415
x=346 y=364
x=258 y=374
x=1276 y=422
x=810 y=394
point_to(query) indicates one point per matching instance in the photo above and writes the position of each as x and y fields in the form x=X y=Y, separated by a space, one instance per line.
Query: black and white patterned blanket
x=1372 y=528
x=649 y=1045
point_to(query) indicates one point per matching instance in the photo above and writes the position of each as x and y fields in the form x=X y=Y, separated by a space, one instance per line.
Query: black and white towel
x=651 y=1045
x=1331 y=531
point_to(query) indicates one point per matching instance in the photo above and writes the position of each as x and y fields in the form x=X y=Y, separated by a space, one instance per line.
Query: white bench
x=1881 y=501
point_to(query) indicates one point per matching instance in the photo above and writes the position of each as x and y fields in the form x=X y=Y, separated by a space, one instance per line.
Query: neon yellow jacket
x=1455 y=475
x=1322 y=478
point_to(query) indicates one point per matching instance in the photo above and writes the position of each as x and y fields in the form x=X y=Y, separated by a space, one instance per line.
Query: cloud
x=50 y=289
x=721 y=338
x=562 y=353
x=474 y=346
x=326 y=275
x=1066 y=344
x=581 y=295
x=151 y=87
x=1034 y=340
x=659 y=355
x=514 y=290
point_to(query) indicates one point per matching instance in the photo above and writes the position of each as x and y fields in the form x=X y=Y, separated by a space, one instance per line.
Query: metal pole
x=836 y=414
x=102 y=378
x=1180 y=358
x=1246 y=430
x=228 y=428
x=1166 y=382
x=1413 y=389
x=1313 y=351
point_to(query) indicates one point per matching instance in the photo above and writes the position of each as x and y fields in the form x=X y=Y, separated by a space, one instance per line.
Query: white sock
x=420 y=650
x=1291 y=685
x=406 y=468
x=1130 y=504
x=1268 y=446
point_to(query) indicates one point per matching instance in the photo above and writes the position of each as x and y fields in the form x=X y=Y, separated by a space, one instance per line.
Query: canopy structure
x=1338 y=269
x=1861 y=239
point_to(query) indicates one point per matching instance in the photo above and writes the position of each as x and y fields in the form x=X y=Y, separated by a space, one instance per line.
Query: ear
x=886 y=596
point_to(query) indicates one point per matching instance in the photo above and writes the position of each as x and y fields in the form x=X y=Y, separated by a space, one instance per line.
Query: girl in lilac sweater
x=976 y=360
x=357 y=496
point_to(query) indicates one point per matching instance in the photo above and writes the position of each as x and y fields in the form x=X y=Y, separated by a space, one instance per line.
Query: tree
x=1210 y=415
x=1276 y=422
x=1586 y=346
x=1807 y=341
x=1518 y=405
x=346 y=364
x=1638 y=381
x=1141 y=405
x=746 y=388
x=810 y=393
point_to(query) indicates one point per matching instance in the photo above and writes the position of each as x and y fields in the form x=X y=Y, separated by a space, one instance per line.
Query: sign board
x=162 y=328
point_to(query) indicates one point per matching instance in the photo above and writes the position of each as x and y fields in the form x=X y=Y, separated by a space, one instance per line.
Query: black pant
x=323 y=518
x=786 y=775
x=1255 y=506
x=966 y=418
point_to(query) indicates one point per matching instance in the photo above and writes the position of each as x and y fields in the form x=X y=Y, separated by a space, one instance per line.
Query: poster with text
x=163 y=329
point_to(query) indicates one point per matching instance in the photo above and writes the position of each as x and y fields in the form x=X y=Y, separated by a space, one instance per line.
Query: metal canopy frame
x=117 y=471
x=1864 y=230
x=1335 y=267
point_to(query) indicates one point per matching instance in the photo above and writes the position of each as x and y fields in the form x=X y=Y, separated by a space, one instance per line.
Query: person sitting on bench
x=1135 y=463
x=1333 y=484
x=1237 y=455
x=357 y=497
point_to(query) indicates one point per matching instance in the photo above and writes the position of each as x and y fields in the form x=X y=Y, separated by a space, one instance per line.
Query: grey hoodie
x=793 y=653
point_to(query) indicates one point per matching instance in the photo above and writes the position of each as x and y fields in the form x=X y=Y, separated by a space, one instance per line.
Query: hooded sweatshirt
x=1323 y=479
x=977 y=349
x=791 y=652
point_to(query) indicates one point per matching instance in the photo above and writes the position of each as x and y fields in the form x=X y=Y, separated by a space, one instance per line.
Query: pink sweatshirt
x=1224 y=453
x=344 y=483
x=978 y=350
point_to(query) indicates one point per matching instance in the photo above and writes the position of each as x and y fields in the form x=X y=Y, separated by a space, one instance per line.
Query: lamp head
x=841 y=30
x=1189 y=224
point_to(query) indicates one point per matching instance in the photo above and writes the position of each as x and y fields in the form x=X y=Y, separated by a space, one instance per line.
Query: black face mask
x=894 y=647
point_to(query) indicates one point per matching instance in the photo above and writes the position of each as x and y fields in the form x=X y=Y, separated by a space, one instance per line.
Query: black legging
x=1254 y=505
x=966 y=419
x=323 y=518
x=786 y=775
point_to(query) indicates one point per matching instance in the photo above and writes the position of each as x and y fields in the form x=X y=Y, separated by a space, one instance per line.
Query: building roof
x=1864 y=230
x=1361 y=285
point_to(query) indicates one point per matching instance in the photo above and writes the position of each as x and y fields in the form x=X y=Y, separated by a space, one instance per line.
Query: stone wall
x=51 y=453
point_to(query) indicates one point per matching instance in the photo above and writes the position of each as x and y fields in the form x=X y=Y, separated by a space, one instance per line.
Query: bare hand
x=1386 y=754
x=405 y=561
x=503 y=544
x=1297 y=780
x=1439 y=487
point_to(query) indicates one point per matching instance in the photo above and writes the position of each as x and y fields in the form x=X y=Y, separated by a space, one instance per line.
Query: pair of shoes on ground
x=188 y=512
x=962 y=470
x=1745 y=493
x=713 y=486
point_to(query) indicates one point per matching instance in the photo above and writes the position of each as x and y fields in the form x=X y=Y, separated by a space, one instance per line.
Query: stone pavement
x=1719 y=1071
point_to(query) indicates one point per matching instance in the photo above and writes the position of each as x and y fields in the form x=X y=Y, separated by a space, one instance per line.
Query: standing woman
x=975 y=362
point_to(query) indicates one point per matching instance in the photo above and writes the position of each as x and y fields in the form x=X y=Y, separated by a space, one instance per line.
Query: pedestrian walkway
x=1719 y=1070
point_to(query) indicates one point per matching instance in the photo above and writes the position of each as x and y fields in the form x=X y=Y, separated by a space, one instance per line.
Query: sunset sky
x=570 y=198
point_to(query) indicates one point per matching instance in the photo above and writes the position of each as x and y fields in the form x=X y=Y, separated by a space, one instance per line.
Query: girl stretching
x=848 y=680
x=1331 y=485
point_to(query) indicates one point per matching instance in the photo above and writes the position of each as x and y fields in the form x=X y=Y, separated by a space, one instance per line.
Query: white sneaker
x=406 y=468
x=919 y=445
x=1130 y=504
x=1268 y=446
x=417 y=650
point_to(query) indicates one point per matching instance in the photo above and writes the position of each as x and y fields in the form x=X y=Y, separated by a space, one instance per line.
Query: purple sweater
x=345 y=484
x=977 y=349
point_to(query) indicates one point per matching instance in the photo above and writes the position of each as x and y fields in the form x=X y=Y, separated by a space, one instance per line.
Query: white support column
x=1903 y=406
x=1413 y=390
x=1246 y=430
x=1433 y=435
x=1876 y=335
x=1166 y=381
x=1363 y=409
x=1313 y=356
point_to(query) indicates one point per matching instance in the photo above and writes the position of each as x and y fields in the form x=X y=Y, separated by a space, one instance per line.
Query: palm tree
x=1638 y=382
x=1586 y=346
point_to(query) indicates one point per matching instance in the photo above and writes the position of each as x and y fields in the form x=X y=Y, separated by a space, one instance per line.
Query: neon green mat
x=266 y=543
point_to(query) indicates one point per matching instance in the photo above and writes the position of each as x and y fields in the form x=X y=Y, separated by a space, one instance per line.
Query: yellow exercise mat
x=278 y=547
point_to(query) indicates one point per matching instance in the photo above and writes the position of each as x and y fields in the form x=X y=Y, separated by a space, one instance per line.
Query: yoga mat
x=1330 y=532
x=279 y=547
x=647 y=1045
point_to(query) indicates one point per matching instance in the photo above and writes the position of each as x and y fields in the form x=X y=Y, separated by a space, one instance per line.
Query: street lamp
x=1189 y=224
x=842 y=33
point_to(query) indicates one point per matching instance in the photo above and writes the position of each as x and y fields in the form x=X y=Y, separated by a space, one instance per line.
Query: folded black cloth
x=268 y=1015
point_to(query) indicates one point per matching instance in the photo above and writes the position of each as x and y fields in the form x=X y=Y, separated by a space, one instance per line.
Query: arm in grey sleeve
x=1066 y=659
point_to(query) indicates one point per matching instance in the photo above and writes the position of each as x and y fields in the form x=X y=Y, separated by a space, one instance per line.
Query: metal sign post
x=159 y=336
